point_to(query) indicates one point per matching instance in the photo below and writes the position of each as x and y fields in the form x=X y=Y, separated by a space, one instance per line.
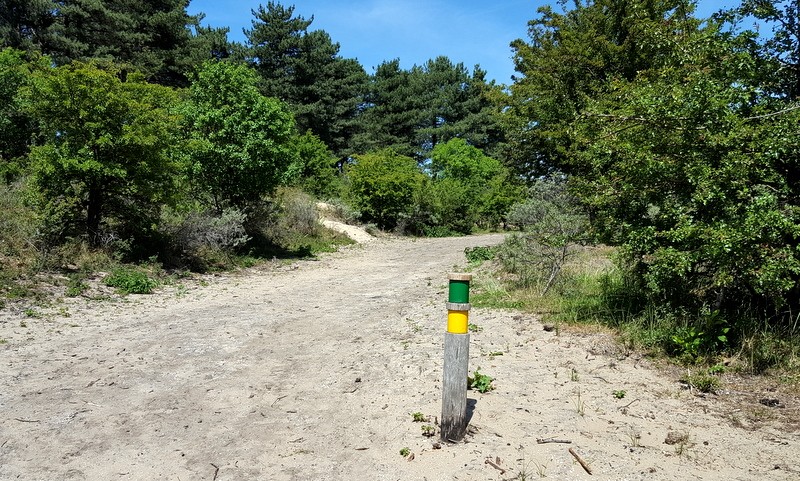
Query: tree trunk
x=94 y=213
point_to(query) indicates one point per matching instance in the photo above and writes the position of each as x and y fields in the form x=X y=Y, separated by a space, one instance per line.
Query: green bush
x=478 y=254
x=383 y=186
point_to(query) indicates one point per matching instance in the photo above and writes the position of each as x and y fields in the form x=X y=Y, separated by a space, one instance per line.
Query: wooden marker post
x=456 y=360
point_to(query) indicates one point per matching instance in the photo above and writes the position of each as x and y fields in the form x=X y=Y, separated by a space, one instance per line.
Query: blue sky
x=467 y=31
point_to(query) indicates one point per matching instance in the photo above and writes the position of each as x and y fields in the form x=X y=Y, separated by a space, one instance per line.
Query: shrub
x=197 y=230
x=552 y=225
x=478 y=254
x=383 y=185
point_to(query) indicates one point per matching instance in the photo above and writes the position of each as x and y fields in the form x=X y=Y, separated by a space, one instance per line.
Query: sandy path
x=311 y=372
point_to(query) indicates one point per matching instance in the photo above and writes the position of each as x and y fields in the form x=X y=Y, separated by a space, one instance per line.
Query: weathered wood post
x=456 y=360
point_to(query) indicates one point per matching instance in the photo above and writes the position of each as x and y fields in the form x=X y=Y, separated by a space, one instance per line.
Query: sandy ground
x=312 y=371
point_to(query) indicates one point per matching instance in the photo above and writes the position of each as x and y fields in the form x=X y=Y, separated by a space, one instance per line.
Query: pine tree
x=304 y=69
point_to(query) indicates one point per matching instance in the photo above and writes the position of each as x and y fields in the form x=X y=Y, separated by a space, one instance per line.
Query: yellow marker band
x=457 y=322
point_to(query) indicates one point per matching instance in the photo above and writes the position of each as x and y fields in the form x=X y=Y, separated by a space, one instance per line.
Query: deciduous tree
x=104 y=168
x=240 y=142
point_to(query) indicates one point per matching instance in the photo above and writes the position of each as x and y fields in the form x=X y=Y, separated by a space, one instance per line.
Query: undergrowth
x=592 y=290
x=32 y=271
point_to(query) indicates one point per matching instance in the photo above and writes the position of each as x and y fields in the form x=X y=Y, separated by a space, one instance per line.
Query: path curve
x=311 y=372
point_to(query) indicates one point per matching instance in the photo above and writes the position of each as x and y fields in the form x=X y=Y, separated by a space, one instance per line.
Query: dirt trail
x=311 y=372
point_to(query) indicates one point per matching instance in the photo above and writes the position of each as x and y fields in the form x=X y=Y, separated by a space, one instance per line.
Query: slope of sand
x=312 y=371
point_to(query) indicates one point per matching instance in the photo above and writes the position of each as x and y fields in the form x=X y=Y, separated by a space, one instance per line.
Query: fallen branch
x=627 y=405
x=581 y=461
x=27 y=420
x=552 y=440
x=216 y=471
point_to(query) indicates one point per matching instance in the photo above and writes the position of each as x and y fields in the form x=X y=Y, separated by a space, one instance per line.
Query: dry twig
x=495 y=466
x=581 y=461
x=552 y=440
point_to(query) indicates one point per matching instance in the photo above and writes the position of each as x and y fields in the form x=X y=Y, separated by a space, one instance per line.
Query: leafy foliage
x=471 y=187
x=157 y=38
x=413 y=111
x=480 y=382
x=130 y=280
x=383 y=186
x=314 y=168
x=17 y=125
x=478 y=254
x=304 y=69
x=677 y=137
x=240 y=142
x=103 y=170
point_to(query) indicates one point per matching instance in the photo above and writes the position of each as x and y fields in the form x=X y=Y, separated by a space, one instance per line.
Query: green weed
x=76 y=286
x=474 y=327
x=130 y=280
x=703 y=382
x=480 y=382
x=479 y=254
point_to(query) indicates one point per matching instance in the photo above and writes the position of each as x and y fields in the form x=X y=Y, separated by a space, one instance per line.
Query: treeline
x=131 y=127
x=679 y=137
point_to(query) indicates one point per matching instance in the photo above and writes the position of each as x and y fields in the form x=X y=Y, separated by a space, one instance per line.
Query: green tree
x=17 y=127
x=392 y=111
x=156 y=37
x=457 y=159
x=315 y=167
x=569 y=60
x=27 y=25
x=485 y=189
x=778 y=53
x=454 y=104
x=304 y=69
x=383 y=186
x=240 y=142
x=103 y=169
x=690 y=168
x=412 y=111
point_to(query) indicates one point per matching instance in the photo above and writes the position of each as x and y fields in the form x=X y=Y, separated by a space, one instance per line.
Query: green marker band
x=459 y=288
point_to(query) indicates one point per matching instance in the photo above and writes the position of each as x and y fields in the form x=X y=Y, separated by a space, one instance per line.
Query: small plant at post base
x=480 y=382
x=428 y=431
x=474 y=327
x=418 y=417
